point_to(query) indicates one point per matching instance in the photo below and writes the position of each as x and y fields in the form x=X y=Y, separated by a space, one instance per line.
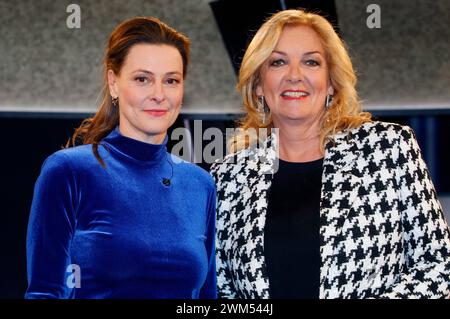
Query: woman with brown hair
x=331 y=204
x=118 y=217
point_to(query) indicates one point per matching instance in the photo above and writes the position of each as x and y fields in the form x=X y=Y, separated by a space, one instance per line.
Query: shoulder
x=77 y=152
x=236 y=160
x=64 y=157
x=379 y=131
x=193 y=172
x=375 y=127
x=375 y=137
x=258 y=158
x=73 y=158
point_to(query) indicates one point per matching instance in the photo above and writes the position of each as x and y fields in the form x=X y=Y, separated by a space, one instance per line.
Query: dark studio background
x=30 y=137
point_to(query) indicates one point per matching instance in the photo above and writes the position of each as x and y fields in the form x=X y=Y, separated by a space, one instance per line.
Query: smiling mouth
x=156 y=113
x=294 y=95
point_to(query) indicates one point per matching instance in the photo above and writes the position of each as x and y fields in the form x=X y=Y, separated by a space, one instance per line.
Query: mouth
x=156 y=112
x=294 y=95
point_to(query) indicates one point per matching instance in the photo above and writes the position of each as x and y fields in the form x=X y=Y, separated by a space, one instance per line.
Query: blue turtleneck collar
x=137 y=150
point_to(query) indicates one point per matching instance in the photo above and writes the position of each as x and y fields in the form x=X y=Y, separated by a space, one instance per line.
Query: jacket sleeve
x=209 y=289
x=50 y=230
x=225 y=286
x=426 y=233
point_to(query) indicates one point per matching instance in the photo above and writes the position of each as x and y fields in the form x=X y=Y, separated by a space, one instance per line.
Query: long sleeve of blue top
x=119 y=231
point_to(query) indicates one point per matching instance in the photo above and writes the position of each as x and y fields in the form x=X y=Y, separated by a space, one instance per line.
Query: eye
x=141 y=79
x=277 y=62
x=172 y=81
x=312 y=62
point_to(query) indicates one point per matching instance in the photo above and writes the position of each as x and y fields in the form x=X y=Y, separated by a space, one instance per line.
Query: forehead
x=156 y=58
x=299 y=37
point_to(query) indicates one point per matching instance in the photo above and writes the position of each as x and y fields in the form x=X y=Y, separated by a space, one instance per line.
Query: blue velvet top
x=131 y=235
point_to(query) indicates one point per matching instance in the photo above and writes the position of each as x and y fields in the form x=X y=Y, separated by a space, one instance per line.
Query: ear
x=112 y=84
x=259 y=90
x=330 y=90
x=330 y=87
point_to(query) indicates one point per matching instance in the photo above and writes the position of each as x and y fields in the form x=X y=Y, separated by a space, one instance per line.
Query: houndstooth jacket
x=382 y=230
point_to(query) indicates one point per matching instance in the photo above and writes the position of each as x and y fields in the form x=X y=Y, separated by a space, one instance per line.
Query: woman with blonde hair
x=118 y=217
x=331 y=204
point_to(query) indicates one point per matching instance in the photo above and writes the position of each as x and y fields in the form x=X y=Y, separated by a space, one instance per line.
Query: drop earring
x=263 y=109
x=328 y=100
x=115 y=101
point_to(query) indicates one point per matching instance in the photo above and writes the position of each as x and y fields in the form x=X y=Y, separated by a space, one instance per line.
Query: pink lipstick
x=156 y=112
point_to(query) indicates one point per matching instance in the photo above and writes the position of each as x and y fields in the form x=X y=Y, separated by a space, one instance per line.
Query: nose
x=157 y=93
x=295 y=73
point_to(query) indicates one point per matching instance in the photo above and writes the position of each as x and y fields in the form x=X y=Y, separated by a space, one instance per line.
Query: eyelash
x=316 y=63
x=144 y=80
x=279 y=62
x=175 y=81
x=139 y=78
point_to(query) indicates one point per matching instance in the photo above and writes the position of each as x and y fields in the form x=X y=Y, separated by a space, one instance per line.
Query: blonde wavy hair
x=345 y=111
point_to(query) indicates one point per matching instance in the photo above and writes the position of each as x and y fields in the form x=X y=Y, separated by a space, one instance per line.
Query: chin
x=155 y=127
x=293 y=117
x=155 y=131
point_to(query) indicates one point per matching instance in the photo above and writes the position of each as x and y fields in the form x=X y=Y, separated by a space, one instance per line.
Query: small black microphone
x=166 y=181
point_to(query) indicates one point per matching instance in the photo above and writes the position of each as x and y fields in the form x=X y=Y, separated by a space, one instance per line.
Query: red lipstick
x=294 y=95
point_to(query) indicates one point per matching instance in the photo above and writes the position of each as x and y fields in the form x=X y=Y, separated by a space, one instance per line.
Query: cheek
x=132 y=96
x=176 y=97
x=271 y=87
x=271 y=82
x=320 y=80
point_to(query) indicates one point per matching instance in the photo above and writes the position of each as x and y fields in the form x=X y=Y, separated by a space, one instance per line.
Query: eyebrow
x=306 y=53
x=151 y=73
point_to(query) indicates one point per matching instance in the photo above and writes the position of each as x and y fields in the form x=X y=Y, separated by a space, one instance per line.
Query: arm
x=225 y=284
x=426 y=233
x=50 y=230
x=209 y=289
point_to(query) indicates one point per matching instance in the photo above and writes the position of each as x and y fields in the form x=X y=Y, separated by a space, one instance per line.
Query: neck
x=135 y=150
x=300 y=143
x=141 y=136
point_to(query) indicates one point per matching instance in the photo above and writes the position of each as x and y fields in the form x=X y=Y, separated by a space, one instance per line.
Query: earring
x=328 y=100
x=115 y=101
x=262 y=109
